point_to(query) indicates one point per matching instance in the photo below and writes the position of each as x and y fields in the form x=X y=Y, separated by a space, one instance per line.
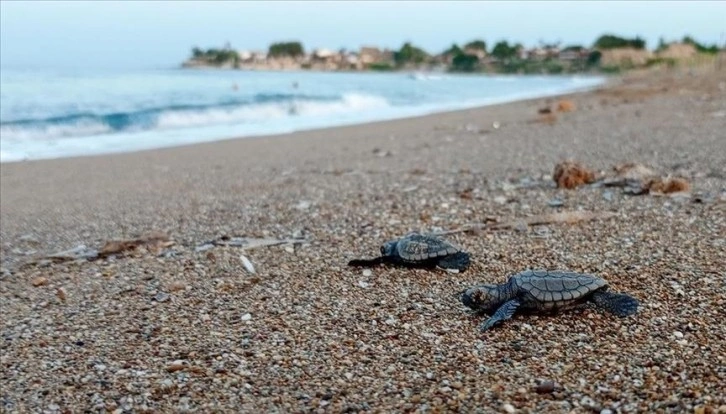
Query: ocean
x=55 y=114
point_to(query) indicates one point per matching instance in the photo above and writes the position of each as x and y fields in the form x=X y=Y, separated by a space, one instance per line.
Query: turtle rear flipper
x=616 y=303
x=366 y=262
x=459 y=261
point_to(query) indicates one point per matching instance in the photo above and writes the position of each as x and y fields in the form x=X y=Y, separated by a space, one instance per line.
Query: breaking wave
x=260 y=108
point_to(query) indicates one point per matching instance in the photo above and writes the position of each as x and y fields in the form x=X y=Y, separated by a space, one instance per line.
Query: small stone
x=162 y=297
x=608 y=195
x=176 y=286
x=678 y=335
x=508 y=408
x=246 y=317
x=606 y=411
x=367 y=273
x=303 y=205
x=363 y=284
x=61 y=294
x=500 y=199
x=545 y=387
x=555 y=202
x=175 y=366
x=39 y=281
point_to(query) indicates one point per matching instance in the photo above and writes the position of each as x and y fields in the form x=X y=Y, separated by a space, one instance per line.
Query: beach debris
x=418 y=250
x=634 y=171
x=565 y=105
x=381 y=153
x=154 y=242
x=247 y=264
x=562 y=217
x=76 y=253
x=556 y=202
x=247 y=243
x=545 y=110
x=303 y=205
x=496 y=124
x=571 y=174
x=669 y=185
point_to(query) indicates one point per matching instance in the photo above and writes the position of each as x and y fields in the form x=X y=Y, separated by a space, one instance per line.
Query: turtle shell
x=417 y=247
x=557 y=288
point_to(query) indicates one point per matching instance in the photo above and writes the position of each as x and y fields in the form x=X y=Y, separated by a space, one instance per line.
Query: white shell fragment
x=247 y=264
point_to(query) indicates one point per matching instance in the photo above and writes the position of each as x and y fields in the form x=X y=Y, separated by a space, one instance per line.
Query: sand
x=172 y=329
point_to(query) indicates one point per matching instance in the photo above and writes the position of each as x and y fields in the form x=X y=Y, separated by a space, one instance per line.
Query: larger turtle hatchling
x=419 y=250
x=544 y=291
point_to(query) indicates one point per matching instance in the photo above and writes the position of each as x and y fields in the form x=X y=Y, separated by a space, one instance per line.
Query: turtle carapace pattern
x=543 y=291
x=419 y=250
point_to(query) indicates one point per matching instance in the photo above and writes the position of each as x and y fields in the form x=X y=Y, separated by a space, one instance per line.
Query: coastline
x=195 y=330
x=144 y=141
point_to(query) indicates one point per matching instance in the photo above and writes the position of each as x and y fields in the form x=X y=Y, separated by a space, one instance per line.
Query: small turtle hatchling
x=419 y=250
x=543 y=291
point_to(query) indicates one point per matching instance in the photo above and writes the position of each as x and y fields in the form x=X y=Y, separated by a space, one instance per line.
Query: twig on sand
x=246 y=243
x=567 y=217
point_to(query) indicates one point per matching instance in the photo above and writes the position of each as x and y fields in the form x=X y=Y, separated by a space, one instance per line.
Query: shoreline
x=605 y=82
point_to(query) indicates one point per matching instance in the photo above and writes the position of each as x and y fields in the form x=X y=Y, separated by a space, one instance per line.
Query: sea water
x=52 y=114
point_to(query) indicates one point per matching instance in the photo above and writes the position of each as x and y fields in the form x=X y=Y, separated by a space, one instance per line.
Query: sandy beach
x=177 y=328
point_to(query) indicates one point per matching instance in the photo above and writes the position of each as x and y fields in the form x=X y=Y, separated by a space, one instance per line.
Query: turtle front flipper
x=506 y=311
x=616 y=303
x=366 y=262
x=459 y=261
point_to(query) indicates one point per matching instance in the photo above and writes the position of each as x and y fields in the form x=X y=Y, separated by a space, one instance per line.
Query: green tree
x=713 y=49
x=503 y=51
x=573 y=48
x=593 y=59
x=197 y=53
x=292 y=49
x=464 y=62
x=476 y=45
x=409 y=54
x=608 y=41
x=453 y=50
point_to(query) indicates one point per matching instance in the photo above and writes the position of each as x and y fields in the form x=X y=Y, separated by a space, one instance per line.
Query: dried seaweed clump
x=565 y=106
x=669 y=185
x=570 y=174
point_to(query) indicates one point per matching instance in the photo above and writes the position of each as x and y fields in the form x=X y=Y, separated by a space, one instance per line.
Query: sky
x=160 y=34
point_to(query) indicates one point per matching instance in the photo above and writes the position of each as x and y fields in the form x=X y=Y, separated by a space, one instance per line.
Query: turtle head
x=481 y=298
x=388 y=248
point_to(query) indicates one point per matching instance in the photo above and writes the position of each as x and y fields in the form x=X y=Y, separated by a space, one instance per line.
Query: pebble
x=246 y=317
x=508 y=408
x=162 y=297
x=678 y=335
x=367 y=273
x=39 y=281
x=545 y=387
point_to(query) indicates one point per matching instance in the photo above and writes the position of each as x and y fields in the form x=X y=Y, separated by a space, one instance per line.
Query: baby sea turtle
x=419 y=250
x=544 y=291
